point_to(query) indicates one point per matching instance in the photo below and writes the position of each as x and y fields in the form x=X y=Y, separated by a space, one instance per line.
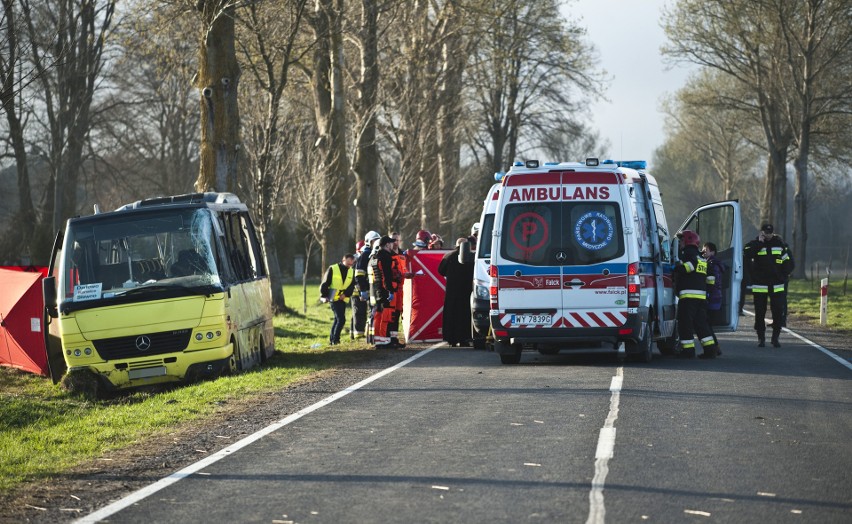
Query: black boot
x=687 y=353
x=709 y=352
x=775 y=342
x=761 y=339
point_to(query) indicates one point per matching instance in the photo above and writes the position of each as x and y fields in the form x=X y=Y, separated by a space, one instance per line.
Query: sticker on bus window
x=87 y=292
x=594 y=230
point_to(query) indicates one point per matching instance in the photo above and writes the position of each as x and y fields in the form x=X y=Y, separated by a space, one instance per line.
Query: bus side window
x=236 y=247
x=255 y=254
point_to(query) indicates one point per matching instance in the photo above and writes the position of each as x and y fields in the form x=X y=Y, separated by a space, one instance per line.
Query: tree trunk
x=366 y=159
x=330 y=101
x=217 y=80
x=276 y=281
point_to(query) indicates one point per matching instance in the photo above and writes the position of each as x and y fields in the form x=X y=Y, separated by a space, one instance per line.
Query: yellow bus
x=162 y=290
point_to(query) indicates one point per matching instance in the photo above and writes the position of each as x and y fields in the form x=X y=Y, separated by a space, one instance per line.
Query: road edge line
x=165 y=482
x=804 y=339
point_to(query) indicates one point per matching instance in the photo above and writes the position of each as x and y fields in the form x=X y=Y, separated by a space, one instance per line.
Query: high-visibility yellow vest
x=338 y=283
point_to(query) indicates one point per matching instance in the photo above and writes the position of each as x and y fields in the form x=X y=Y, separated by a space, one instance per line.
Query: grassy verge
x=803 y=299
x=45 y=431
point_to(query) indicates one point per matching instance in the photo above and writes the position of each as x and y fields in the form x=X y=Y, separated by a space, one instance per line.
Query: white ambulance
x=479 y=298
x=582 y=259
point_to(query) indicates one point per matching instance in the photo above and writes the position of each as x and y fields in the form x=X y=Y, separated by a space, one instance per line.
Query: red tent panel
x=423 y=298
x=21 y=307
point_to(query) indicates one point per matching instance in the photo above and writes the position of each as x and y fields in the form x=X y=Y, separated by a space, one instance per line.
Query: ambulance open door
x=721 y=224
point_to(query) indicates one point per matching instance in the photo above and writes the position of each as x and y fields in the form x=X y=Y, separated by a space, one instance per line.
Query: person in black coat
x=456 y=326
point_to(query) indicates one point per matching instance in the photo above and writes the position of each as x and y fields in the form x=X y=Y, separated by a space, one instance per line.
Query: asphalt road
x=758 y=435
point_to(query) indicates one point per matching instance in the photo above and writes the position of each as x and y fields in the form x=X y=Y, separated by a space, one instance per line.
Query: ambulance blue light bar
x=498 y=176
x=632 y=164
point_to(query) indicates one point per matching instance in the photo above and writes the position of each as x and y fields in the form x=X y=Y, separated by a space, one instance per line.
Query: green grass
x=45 y=431
x=803 y=299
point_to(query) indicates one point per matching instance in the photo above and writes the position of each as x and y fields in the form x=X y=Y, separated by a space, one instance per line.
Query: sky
x=628 y=36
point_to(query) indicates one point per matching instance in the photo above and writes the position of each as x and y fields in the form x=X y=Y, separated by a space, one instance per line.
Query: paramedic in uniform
x=336 y=288
x=691 y=288
x=382 y=289
x=770 y=265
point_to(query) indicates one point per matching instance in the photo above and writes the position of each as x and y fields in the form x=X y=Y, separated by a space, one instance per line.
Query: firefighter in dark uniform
x=690 y=276
x=769 y=262
x=382 y=289
x=361 y=301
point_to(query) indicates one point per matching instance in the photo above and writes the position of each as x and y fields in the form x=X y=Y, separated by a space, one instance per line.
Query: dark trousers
x=338 y=307
x=359 y=315
x=692 y=320
x=778 y=306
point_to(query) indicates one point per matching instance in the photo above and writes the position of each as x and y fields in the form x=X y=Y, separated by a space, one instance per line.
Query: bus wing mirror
x=48 y=291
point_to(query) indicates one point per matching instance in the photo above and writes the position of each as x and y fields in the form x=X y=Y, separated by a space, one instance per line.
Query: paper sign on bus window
x=87 y=292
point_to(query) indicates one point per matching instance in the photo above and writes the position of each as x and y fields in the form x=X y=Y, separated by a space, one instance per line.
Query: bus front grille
x=143 y=345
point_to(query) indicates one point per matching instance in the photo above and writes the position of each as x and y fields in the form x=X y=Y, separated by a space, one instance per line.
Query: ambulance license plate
x=532 y=319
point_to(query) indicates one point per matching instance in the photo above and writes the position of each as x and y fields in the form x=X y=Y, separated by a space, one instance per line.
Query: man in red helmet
x=421 y=241
x=691 y=288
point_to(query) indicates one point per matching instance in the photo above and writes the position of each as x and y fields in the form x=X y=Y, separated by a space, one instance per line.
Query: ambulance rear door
x=721 y=224
x=529 y=276
x=594 y=251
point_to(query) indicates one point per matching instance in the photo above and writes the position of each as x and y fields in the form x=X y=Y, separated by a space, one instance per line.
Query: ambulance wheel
x=509 y=353
x=641 y=351
x=511 y=358
x=668 y=346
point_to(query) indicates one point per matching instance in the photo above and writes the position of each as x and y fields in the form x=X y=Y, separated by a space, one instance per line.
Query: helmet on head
x=474 y=230
x=423 y=238
x=359 y=246
x=690 y=238
x=370 y=236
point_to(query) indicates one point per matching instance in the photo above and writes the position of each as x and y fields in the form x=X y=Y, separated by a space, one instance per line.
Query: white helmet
x=370 y=236
x=474 y=229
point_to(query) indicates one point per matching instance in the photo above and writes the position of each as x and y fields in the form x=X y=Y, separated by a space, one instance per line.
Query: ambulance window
x=592 y=233
x=486 y=232
x=528 y=233
x=662 y=233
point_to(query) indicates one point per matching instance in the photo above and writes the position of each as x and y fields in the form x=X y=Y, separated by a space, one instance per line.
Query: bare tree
x=739 y=38
x=329 y=105
x=68 y=41
x=269 y=47
x=19 y=232
x=526 y=65
x=818 y=40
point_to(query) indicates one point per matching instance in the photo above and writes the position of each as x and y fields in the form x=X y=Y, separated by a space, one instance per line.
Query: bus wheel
x=81 y=382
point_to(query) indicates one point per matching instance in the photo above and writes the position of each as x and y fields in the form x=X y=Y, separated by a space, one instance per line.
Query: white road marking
x=839 y=359
x=149 y=490
x=604 y=452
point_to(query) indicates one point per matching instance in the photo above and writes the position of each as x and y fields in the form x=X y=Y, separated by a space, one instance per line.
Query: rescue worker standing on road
x=360 y=306
x=382 y=290
x=768 y=259
x=336 y=288
x=715 y=293
x=690 y=276
x=400 y=268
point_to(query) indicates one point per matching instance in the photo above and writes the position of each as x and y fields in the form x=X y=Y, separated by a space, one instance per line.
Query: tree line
x=334 y=117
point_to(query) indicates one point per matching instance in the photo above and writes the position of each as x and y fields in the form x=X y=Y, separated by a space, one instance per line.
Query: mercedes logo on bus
x=143 y=342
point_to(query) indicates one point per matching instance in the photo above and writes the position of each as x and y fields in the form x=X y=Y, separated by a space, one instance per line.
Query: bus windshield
x=122 y=254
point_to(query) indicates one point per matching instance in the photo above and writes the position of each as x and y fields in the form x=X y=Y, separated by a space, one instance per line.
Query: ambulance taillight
x=633 y=285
